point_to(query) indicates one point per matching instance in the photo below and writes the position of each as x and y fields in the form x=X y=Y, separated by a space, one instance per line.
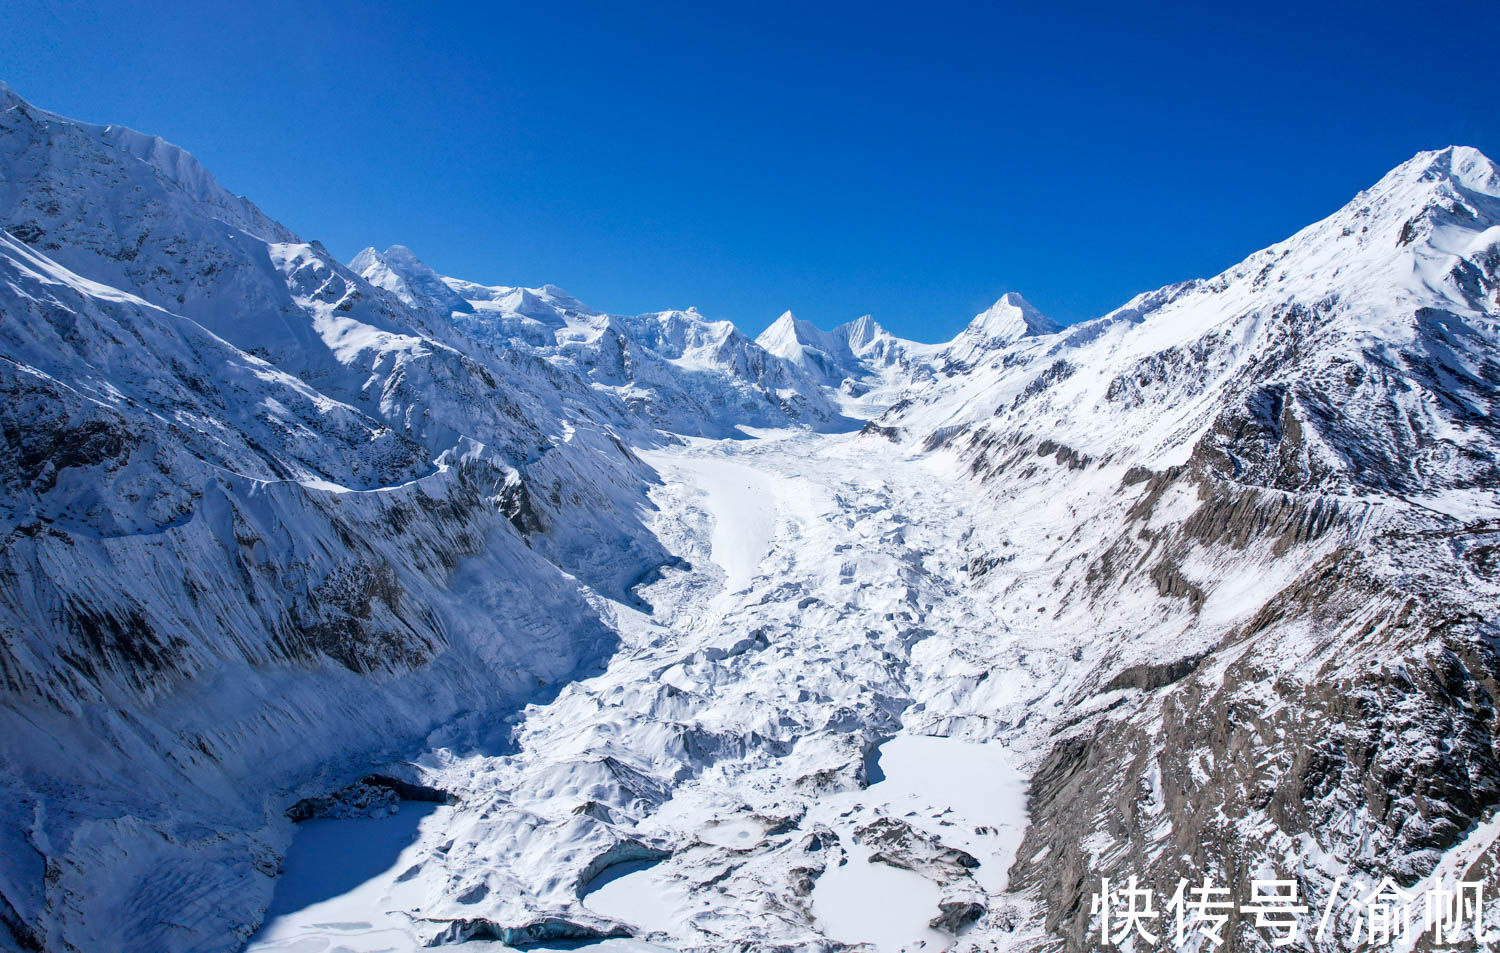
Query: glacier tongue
x=814 y=620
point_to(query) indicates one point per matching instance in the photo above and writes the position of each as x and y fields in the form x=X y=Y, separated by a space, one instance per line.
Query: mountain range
x=676 y=639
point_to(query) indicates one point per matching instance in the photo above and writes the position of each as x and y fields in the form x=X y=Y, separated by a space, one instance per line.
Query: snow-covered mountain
x=1277 y=493
x=1366 y=334
x=676 y=370
x=992 y=331
x=857 y=351
x=257 y=528
x=1205 y=587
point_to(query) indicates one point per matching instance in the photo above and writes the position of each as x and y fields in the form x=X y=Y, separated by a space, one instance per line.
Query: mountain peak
x=1003 y=323
x=1435 y=179
x=1011 y=318
x=788 y=334
x=853 y=349
x=859 y=333
x=399 y=271
x=364 y=258
x=404 y=255
x=1464 y=164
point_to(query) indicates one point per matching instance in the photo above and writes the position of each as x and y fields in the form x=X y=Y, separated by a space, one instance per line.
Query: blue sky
x=911 y=161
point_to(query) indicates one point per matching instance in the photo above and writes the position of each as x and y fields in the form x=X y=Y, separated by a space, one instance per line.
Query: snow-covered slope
x=223 y=585
x=1276 y=491
x=258 y=527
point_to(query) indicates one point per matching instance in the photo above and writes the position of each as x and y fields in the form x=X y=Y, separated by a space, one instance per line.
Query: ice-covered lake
x=949 y=787
x=340 y=879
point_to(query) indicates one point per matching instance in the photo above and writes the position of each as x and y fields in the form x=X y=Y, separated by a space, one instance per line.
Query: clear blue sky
x=909 y=160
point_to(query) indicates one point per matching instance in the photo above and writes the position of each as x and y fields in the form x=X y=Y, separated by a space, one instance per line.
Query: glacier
x=356 y=606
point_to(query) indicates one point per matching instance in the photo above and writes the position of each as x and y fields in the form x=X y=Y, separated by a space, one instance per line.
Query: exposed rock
x=895 y=842
x=371 y=794
x=522 y=935
x=956 y=914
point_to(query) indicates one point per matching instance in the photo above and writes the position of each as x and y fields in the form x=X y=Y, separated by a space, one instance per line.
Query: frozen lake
x=948 y=787
x=340 y=888
x=629 y=893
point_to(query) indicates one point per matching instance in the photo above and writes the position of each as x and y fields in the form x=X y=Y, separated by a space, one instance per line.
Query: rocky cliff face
x=1275 y=575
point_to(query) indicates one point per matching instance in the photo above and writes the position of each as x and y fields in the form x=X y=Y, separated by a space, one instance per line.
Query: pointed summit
x=860 y=333
x=787 y=335
x=1420 y=196
x=1462 y=165
x=854 y=349
x=1012 y=318
x=1003 y=323
x=399 y=271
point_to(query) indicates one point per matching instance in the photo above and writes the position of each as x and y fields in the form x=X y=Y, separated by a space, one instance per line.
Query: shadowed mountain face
x=1214 y=573
x=260 y=524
